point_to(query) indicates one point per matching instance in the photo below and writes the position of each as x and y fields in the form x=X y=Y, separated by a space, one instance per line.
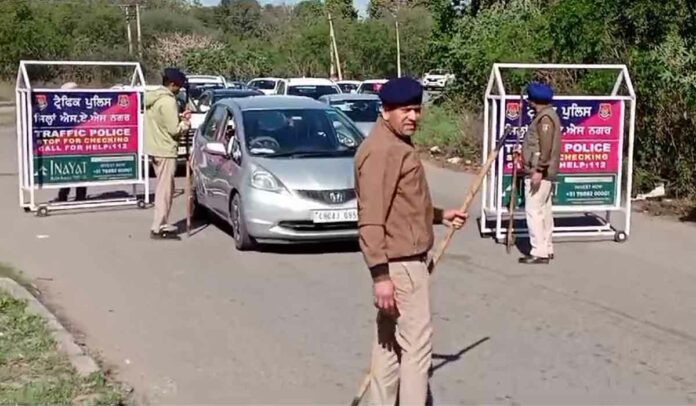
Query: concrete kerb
x=83 y=363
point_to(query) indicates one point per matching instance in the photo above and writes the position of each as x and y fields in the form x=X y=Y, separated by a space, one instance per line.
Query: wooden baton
x=513 y=186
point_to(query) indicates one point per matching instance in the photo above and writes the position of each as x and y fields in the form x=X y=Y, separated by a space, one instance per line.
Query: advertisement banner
x=84 y=168
x=591 y=133
x=84 y=136
x=571 y=190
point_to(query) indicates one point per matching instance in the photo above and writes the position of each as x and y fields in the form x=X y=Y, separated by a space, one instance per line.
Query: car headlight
x=263 y=180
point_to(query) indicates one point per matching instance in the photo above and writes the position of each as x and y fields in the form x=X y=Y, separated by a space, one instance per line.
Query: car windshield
x=236 y=85
x=195 y=90
x=300 y=133
x=312 y=91
x=347 y=87
x=370 y=88
x=437 y=72
x=362 y=111
x=263 y=84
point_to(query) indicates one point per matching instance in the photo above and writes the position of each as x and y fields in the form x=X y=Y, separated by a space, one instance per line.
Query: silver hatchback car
x=278 y=169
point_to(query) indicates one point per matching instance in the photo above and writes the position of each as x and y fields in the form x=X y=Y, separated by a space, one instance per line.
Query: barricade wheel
x=620 y=237
x=42 y=212
x=141 y=204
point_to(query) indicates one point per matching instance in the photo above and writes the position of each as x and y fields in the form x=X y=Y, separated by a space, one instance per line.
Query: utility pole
x=140 y=38
x=335 y=49
x=128 y=30
x=398 y=48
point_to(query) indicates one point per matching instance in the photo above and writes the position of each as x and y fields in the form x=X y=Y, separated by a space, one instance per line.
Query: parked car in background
x=371 y=86
x=278 y=169
x=308 y=87
x=437 y=79
x=363 y=109
x=202 y=105
x=199 y=80
x=266 y=85
x=235 y=84
x=348 y=86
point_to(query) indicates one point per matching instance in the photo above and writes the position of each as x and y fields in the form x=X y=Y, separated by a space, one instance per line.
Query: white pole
x=19 y=108
x=398 y=47
x=335 y=48
x=140 y=39
x=128 y=30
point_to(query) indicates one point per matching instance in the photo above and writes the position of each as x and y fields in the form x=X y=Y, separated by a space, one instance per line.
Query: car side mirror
x=215 y=148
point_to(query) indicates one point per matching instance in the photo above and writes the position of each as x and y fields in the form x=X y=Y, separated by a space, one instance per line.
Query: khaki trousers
x=402 y=351
x=539 y=213
x=165 y=169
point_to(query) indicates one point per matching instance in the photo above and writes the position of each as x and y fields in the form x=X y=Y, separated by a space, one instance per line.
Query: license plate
x=335 y=216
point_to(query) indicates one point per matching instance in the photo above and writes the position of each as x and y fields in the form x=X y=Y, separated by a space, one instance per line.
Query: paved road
x=197 y=322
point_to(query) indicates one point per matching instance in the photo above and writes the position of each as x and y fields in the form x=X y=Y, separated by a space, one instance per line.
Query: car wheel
x=242 y=240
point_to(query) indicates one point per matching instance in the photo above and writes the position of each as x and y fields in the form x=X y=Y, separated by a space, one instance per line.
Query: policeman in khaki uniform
x=541 y=154
x=395 y=219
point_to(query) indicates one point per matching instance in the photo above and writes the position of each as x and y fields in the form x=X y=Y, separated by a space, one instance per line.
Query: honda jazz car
x=279 y=169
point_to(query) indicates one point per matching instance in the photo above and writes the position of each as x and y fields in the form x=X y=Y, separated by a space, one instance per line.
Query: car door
x=207 y=164
x=229 y=173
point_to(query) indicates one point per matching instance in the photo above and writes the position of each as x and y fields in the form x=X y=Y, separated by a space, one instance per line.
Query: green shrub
x=454 y=131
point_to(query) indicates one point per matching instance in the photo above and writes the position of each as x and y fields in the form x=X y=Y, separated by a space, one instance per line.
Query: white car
x=265 y=85
x=437 y=79
x=371 y=86
x=308 y=87
x=349 y=86
x=206 y=80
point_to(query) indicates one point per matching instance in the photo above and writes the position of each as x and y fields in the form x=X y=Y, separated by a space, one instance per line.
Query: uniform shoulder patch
x=545 y=124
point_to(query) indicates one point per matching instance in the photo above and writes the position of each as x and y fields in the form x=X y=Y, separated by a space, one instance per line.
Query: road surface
x=197 y=322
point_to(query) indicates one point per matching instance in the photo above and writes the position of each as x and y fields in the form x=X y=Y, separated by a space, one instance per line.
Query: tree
x=342 y=8
x=241 y=18
x=308 y=9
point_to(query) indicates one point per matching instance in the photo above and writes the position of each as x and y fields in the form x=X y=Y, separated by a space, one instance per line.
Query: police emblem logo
x=512 y=110
x=41 y=101
x=605 y=111
x=123 y=100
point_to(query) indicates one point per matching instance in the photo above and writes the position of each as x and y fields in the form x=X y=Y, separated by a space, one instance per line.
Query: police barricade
x=596 y=166
x=79 y=137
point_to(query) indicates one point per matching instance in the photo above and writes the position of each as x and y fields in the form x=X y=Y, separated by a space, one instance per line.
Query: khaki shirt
x=395 y=212
x=542 y=146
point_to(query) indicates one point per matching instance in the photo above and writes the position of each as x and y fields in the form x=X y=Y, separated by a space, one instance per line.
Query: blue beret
x=175 y=76
x=539 y=92
x=403 y=91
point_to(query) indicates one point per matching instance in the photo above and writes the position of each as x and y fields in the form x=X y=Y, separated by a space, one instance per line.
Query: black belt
x=411 y=258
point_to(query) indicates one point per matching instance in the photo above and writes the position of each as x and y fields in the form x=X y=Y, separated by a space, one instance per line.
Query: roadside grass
x=456 y=132
x=32 y=370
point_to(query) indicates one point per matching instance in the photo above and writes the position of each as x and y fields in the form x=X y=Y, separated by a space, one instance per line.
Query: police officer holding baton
x=395 y=219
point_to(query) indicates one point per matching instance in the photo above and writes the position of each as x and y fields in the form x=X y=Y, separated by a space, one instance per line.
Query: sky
x=361 y=5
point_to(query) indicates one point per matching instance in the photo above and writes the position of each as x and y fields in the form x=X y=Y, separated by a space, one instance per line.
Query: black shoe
x=532 y=260
x=164 y=235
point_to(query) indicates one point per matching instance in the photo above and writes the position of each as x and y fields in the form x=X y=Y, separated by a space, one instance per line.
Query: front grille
x=338 y=196
x=311 y=226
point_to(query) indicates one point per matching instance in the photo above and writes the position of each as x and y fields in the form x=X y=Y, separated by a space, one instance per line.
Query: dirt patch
x=681 y=209
x=442 y=162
